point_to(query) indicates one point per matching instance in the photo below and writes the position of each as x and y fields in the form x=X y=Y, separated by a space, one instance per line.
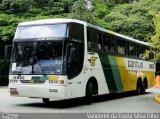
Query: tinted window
x=75 y=58
x=38 y=58
x=100 y=41
x=140 y=50
x=94 y=39
x=41 y=31
x=132 y=50
x=76 y=32
x=151 y=56
x=109 y=43
x=121 y=46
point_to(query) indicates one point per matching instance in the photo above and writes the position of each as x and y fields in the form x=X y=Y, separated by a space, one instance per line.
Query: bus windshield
x=41 y=31
x=38 y=58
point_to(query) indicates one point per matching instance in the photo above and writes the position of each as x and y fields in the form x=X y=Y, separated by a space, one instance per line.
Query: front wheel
x=89 y=92
x=45 y=100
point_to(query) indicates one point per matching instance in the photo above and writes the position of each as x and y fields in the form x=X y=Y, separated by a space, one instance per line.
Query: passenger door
x=74 y=66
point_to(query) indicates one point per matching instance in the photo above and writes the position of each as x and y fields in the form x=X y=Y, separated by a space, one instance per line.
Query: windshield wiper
x=20 y=71
x=40 y=68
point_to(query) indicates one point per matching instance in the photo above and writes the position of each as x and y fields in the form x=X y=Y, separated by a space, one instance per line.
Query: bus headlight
x=13 y=91
x=61 y=81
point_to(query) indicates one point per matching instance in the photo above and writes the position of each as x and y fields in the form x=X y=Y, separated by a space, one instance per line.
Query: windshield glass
x=38 y=58
x=41 y=31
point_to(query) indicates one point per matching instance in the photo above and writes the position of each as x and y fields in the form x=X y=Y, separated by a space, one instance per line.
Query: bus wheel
x=89 y=92
x=145 y=84
x=139 y=91
x=45 y=100
x=140 y=88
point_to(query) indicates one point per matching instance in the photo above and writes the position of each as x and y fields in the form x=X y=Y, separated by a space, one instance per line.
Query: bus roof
x=50 y=21
x=62 y=20
x=118 y=35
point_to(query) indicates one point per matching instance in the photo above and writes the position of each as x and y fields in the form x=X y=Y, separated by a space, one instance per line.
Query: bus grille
x=33 y=81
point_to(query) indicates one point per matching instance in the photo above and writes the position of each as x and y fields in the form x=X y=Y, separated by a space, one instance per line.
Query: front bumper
x=38 y=91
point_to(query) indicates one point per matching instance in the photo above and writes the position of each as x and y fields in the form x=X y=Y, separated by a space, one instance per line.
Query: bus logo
x=92 y=61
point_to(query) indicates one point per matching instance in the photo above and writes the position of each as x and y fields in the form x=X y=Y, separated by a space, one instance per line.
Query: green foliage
x=128 y=17
x=53 y=7
x=133 y=19
x=100 y=8
x=8 y=25
x=15 y=6
x=155 y=39
x=102 y=23
x=81 y=12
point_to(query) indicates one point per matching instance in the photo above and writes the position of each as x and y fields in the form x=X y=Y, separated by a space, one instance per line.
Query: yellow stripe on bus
x=129 y=78
x=123 y=73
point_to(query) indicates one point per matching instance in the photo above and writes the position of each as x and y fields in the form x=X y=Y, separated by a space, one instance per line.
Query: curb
x=157 y=98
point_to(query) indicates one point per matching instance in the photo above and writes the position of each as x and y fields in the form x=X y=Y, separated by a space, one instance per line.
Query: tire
x=138 y=91
x=140 y=88
x=45 y=100
x=143 y=88
x=89 y=93
x=145 y=85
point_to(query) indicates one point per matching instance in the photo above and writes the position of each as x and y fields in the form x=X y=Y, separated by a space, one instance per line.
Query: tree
x=81 y=12
x=123 y=16
x=8 y=25
x=100 y=8
x=15 y=6
x=155 y=40
x=133 y=19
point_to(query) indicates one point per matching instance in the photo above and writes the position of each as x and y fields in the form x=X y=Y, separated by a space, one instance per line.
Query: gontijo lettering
x=135 y=64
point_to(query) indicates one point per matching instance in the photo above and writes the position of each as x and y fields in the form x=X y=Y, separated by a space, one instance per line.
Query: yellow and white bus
x=67 y=58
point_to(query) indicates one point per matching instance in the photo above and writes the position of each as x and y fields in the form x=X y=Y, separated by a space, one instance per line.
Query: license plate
x=13 y=91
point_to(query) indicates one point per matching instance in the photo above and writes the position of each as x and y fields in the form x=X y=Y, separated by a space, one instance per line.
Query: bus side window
x=108 y=44
x=151 y=56
x=104 y=43
x=99 y=41
x=140 y=51
x=132 y=49
x=76 y=32
x=111 y=42
x=94 y=39
x=121 y=46
x=88 y=39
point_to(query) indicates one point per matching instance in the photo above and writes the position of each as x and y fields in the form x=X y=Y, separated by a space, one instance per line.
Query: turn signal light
x=13 y=91
x=61 y=81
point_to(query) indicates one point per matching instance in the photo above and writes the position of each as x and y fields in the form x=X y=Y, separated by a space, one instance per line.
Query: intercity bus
x=66 y=58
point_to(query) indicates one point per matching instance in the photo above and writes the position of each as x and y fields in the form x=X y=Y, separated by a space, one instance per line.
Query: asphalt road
x=126 y=102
